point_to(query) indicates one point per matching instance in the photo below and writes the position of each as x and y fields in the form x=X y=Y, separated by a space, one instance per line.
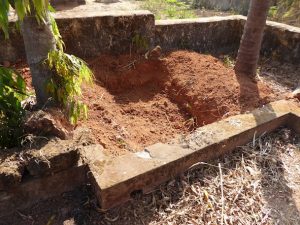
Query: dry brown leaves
x=252 y=177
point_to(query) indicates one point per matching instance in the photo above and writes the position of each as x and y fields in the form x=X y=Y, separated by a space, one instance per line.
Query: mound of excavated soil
x=137 y=102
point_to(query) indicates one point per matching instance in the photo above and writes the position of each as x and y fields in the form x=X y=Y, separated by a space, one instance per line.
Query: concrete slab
x=115 y=180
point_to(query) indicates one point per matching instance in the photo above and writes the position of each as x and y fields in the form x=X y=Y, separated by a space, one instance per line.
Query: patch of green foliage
x=65 y=84
x=69 y=72
x=12 y=92
x=139 y=43
x=228 y=61
x=272 y=11
x=169 y=9
x=22 y=8
x=286 y=11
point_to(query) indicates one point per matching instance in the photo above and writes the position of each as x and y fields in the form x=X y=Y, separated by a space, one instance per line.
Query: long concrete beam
x=115 y=180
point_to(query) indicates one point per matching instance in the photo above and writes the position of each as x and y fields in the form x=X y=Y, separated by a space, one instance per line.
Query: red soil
x=133 y=105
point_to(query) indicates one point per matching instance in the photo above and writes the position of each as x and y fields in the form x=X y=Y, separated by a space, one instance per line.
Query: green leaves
x=22 y=8
x=69 y=71
x=165 y=9
x=4 y=8
x=12 y=92
x=65 y=86
x=59 y=42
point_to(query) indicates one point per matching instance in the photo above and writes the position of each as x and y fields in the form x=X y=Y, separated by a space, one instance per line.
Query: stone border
x=208 y=34
x=36 y=174
x=89 y=34
x=114 y=181
x=222 y=35
x=93 y=34
x=54 y=169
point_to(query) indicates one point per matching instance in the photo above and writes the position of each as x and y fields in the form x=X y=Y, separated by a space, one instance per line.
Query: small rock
x=154 y=54
x=42 y=123
x=29 y=103
x=296 y=93
x=10 y=174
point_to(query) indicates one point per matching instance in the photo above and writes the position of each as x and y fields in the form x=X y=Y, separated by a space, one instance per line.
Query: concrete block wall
x=88 y=35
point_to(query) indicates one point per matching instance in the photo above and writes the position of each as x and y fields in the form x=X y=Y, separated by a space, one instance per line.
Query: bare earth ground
x=260 y=187
x=260 y=184
x=136 y=102
x=283 y=77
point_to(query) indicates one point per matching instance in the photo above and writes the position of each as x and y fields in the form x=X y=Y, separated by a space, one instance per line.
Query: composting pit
x=136 y=102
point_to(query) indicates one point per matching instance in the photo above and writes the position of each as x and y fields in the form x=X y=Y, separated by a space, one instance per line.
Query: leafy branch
x=65 y=85
x=12 y=92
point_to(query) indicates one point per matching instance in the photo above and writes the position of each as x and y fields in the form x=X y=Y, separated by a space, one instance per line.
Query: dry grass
x=256 y=184
x=246 y=179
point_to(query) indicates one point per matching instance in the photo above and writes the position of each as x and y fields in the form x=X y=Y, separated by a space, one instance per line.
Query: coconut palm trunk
x=38 y=40
x=250 y=45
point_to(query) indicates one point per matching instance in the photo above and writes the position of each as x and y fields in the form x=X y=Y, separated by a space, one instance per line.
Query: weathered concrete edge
x=224 y=18
x=198 y=20
x=93 y=164
x=93 y=14
x=147 y=175
x=280 y=40
x=115 y=13
x=34 y=190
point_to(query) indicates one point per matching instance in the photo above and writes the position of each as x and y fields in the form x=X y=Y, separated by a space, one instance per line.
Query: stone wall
x=282 y=42
x=210 y=34
x=114 y=33
x=222 y=35
x=90 y=34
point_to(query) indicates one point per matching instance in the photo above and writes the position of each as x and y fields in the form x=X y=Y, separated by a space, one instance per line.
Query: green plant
x=22 y=8
x=65 y=85
x=139 y=42
x=273 y=11
x=174 y=9
x=228 y=61
x=69 y=72
x=12 y=92
x=286 y=11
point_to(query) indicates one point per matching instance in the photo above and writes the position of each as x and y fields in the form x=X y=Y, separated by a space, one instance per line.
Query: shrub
x=12 y=92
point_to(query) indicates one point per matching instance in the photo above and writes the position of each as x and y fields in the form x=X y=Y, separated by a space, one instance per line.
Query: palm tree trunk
x=38 y=40
x=250 y=45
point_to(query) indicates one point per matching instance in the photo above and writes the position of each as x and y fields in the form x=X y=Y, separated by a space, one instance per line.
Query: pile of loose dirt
x=138 y=102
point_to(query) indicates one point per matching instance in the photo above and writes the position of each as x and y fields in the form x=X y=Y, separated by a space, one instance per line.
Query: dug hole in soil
x=137 y=102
